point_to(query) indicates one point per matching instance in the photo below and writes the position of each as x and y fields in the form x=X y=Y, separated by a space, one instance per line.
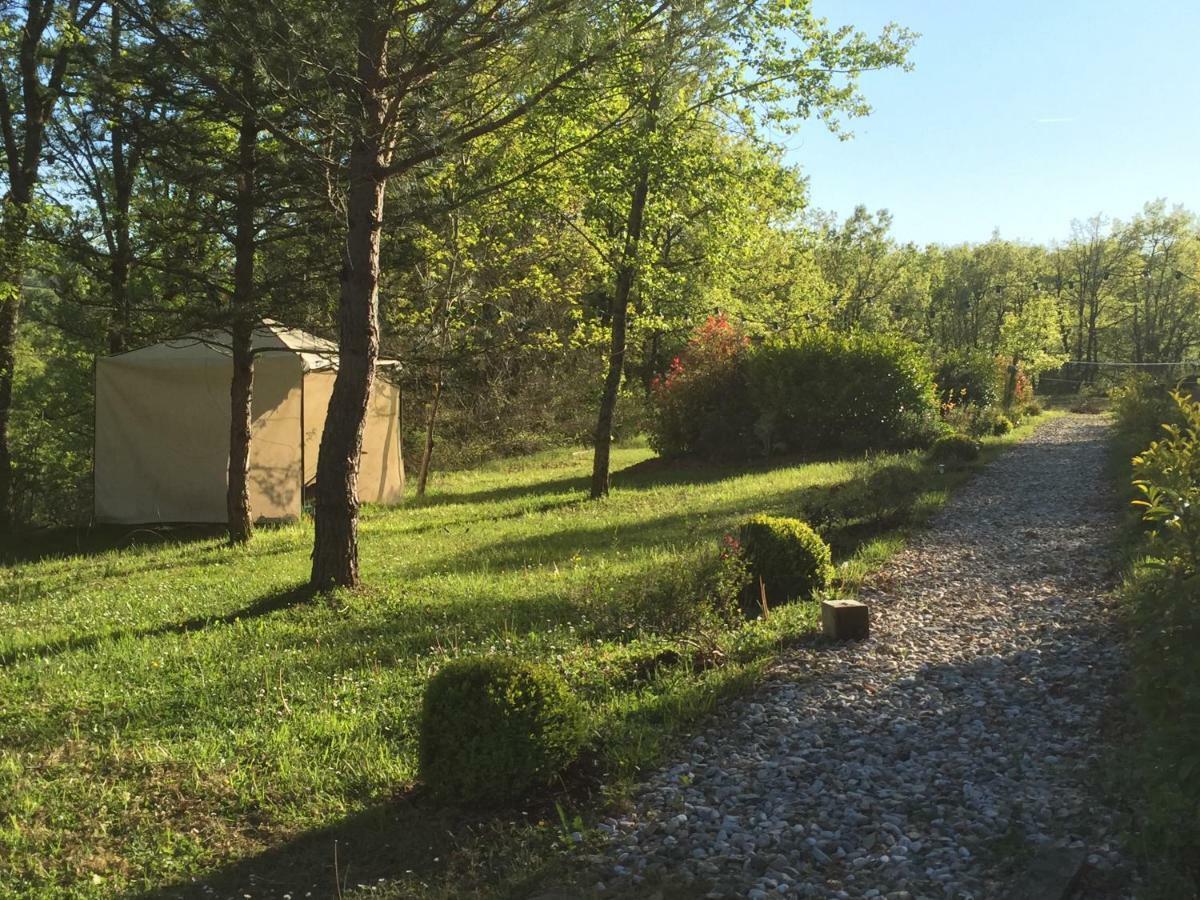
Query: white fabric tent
x=162 y=429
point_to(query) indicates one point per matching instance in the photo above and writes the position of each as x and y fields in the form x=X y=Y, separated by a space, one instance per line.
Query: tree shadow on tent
x=265 y=605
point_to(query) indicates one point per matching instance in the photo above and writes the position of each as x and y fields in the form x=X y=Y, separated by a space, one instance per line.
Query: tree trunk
x=619 y=312
x=241 y=394
x=122 y=174
x=335 y=547
x=241 y=386
x=443 y=342
x=1010 y=383
x=430 y=420
x=13 y=230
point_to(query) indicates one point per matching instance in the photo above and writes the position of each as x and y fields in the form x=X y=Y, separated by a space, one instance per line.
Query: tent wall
x=160 y=448
x=162 y=432
x=381 y=467
x=162 y=438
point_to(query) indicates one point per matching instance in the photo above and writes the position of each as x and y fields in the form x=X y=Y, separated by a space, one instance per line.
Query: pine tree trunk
x=241 y=385
x=620 y=315
x=241 y=395
x=13 y=230
x=335 y=547
x=122 y=176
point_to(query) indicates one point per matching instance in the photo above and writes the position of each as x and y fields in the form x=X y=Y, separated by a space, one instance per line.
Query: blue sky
x=1018 y=116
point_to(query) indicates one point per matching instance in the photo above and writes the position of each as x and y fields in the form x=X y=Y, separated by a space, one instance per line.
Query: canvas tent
x=162 y=428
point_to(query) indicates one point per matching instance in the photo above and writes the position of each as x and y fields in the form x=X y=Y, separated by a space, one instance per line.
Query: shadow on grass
x=273 y=602
x=575 y=483
x=61 y=543
x=409 y=836
x=414 y=840
x=846 y=517
x=645 y=475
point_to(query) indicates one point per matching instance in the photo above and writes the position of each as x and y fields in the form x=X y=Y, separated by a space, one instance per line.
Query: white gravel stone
x=892 y=767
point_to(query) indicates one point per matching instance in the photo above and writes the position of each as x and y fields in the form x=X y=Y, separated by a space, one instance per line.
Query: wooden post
x=845 y=620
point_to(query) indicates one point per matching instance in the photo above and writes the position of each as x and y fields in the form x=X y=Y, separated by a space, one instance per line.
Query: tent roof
x=271 y=337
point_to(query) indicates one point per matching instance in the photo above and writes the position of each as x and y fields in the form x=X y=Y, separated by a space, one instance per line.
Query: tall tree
x=426 y=77
x=707 y=61
x=218 y=84
x=38 y=43
x=1163 y=297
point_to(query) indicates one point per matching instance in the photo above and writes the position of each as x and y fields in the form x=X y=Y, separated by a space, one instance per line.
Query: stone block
x=845 y=620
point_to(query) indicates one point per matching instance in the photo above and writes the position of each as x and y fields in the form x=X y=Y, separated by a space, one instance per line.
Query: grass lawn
x=174 y=708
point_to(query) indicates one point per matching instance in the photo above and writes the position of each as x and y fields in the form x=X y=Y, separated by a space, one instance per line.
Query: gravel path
x=933 y=758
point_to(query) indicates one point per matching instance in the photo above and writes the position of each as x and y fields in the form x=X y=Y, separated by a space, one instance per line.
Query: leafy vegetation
x=1160 y=771
x=827 y=392
x=967 y=379
x=723 y=398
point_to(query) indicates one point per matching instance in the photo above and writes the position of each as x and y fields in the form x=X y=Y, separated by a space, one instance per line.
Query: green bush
x=829 y=392
x=494 y=728
x=967 y=379
x=1033 y=410
x=1001 y=425
x=954 y=448
x=1168 y=479
x=700 y=405
x=1142 y=405
x=1164 y=770
x=791 y=559
x=1163 y=597
x=700 y=596
x=826 y=392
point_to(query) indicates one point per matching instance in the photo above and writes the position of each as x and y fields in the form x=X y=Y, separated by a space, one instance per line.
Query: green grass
x=177 y=707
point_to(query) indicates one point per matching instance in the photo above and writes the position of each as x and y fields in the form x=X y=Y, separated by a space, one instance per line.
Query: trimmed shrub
x=494 y=728
x=828 y=392
x=723 y=399
x=1033 y=410
x=1001 y=425
x=954 y=448
x=967 y=379
x=791 y=559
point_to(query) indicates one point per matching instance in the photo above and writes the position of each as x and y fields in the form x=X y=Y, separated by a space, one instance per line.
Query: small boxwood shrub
x=953 y=448
x=1001 y=425
x=792 y=560
x=494 y=728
